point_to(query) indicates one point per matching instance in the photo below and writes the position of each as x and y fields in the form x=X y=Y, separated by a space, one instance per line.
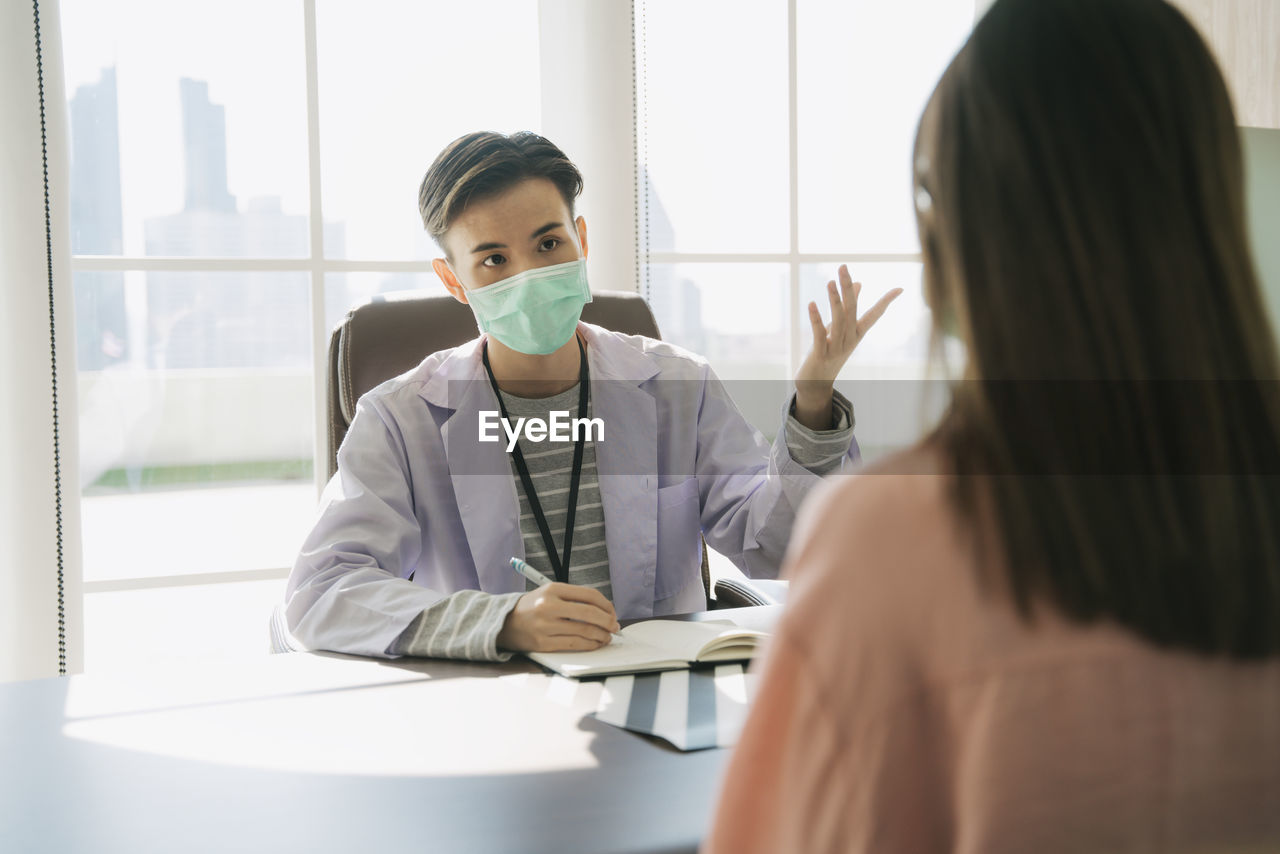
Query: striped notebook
x=690 y=709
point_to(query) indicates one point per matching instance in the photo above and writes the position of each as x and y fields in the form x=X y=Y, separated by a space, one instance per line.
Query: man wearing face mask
x=410 y=553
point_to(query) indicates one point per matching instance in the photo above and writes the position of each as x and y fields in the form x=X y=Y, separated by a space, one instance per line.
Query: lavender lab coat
x=417 y=494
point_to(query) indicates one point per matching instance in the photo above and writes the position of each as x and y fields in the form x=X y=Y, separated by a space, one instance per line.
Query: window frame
x=314 y=264
x=794 y=258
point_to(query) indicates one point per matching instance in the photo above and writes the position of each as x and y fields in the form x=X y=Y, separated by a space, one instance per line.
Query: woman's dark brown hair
x=1081 y=210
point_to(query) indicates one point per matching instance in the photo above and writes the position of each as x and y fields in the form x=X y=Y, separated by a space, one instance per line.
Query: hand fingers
x=587 y=595
x=589 y=614
x=874 y=313
x=543 y=625
x=558 y=618
x=837 y=312
x=570 y=643
x=582 y=604
x=850 y=289
x=819 y=330
x=543 y=620
x=844 y=305
x=573 y=628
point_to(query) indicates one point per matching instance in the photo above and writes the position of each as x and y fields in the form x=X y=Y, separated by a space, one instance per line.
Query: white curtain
x=40 y=577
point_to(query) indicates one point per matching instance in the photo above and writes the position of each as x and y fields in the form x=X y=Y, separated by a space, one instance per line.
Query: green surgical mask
x=536 y=311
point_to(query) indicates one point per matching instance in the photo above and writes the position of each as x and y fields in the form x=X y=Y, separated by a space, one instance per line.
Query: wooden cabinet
x=1245 y=37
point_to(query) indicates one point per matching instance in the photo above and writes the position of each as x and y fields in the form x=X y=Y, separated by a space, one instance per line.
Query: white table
x=319 y=752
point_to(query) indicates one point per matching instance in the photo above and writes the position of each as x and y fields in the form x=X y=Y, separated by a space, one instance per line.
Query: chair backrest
x=392 y=333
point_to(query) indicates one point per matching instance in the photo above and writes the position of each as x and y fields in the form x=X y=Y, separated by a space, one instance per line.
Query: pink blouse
x=903 y=708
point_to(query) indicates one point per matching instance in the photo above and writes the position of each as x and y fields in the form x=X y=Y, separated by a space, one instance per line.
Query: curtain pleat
x=40 y=577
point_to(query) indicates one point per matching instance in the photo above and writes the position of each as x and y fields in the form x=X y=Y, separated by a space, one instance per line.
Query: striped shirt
x=550 y=467
x=466 y=624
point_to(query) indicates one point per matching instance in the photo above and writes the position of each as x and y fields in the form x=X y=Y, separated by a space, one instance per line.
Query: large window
x=244 y=172
x=775 y=140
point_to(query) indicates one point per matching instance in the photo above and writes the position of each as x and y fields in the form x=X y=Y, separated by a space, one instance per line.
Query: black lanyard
x=558 y=564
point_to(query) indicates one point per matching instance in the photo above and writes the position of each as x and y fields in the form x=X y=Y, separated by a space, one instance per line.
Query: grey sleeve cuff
x=821 y=451
x=464 y=625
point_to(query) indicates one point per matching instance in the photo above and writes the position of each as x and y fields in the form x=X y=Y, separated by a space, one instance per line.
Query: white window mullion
x=640 y=144
x=193 y=264
x=319 y=330
x=158 y=582
x=793 y=189
x=594 y=123
x=782 y=257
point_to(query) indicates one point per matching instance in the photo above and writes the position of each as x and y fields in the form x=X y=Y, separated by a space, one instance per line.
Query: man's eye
x=493 y=260
x=549 y=244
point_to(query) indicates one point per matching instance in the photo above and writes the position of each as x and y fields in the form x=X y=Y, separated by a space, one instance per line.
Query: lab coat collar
x=464 y=365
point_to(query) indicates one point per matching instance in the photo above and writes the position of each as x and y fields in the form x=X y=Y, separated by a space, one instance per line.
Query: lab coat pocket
x=679 y=538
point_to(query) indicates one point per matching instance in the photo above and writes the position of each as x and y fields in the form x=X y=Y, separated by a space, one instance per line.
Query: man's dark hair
x=485 y=163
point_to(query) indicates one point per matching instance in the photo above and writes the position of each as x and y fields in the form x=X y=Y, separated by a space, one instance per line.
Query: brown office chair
x=392 y=333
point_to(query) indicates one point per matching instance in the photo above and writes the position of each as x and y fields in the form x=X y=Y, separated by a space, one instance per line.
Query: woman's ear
x=582 y=234
x=441 y=266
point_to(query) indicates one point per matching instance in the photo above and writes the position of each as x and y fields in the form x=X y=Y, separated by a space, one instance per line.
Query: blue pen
x=529 y=572
x=539 y=579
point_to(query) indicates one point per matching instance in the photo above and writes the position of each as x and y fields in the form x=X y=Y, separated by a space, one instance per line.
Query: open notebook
x=657 y=645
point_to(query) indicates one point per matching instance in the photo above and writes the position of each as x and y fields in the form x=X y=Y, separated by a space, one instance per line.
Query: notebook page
x=619 y=654
x=681 y=639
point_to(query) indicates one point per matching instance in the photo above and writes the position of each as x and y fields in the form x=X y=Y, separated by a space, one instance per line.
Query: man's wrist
x=503 y=641
x=814 y=409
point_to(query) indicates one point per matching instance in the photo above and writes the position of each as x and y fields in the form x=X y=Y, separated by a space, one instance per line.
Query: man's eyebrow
x=551 y=226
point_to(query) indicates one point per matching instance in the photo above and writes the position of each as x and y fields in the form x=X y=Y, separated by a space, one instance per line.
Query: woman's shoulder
x=905 y=493
x=877 y=570
x=885 y=541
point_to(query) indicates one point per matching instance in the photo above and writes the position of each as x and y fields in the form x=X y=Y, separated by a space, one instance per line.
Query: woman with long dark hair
x=1054 y=624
